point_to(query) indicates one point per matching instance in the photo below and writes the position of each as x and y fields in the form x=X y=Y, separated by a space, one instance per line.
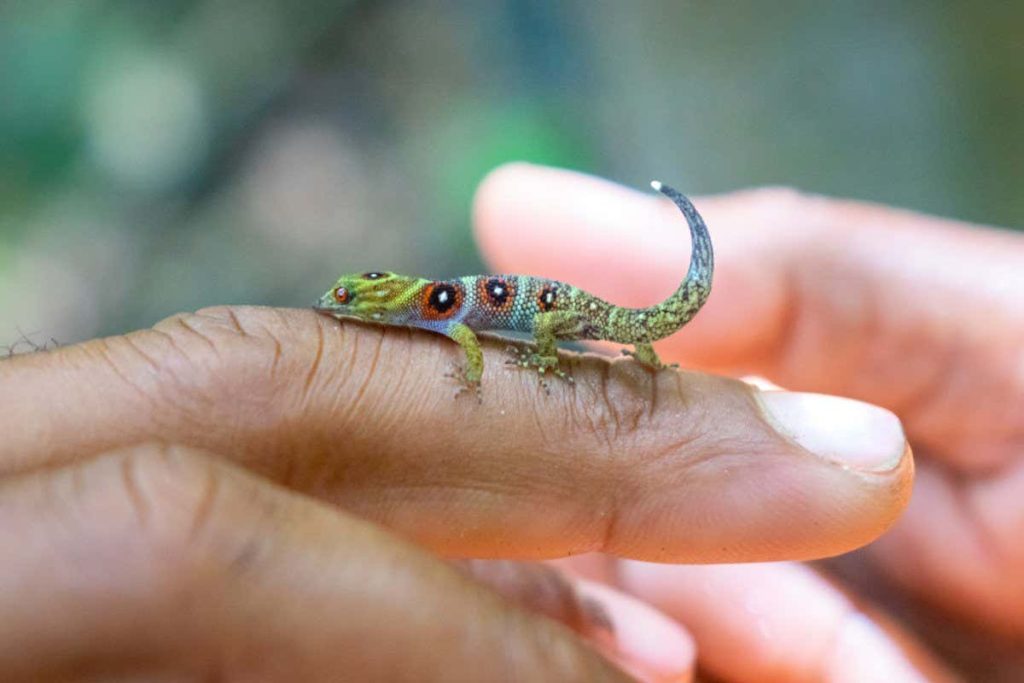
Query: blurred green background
x=163 y=156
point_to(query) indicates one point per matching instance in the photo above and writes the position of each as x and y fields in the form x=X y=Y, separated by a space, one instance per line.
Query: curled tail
x=641 y=325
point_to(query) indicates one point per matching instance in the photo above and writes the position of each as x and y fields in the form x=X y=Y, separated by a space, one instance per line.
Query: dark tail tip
x=702 y=260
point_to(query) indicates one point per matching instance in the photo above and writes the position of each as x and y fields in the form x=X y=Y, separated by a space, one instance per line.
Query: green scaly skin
x=550 y=310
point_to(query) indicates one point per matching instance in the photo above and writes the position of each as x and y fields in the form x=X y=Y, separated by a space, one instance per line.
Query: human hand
x=920 y=315
x=206 y=498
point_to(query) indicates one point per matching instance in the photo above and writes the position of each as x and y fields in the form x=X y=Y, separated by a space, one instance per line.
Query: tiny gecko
x=548 y=309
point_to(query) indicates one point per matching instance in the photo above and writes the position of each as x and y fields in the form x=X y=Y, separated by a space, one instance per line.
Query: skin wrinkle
x=104 y=352
x=203 y=396
x=78 y=488
x=173 y=343
x=610 y=519
x=914 y=405
x=279 y=352
x=580 y=420
x=371 y=368
x=179 y=324
x=543 y=589
x=330 y=467
x=203 y=512
x=314 y=367
x=390 y=416
x=130 y=342
x=131 y=488
x=344 y=366
x=403 y=371
x=233 y=317
x=652 y=406
x=536 y=415
x=182 y=490
x=672 y=449
x=987 y=542
x=380 y=373
x=806 y=299
x=610 y=410
x=781 y=347
x=182 y=321
x=191 y=405
x=634 y=405
x=170 y=564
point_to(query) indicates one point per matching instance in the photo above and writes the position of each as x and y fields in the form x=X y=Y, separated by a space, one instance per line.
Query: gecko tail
x=644 y=325
x=702 y=257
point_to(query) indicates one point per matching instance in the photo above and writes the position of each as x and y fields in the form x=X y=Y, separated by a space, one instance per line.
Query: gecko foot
x=465 y=385
x=544 y=365
x=645 y=356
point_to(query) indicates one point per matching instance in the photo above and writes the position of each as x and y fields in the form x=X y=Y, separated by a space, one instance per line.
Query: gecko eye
x=341 y=295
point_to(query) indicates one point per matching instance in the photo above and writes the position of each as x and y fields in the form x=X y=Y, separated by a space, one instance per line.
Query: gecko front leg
x=473 y=371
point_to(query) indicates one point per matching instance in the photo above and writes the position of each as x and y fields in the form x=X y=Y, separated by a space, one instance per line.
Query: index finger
x=665 y=466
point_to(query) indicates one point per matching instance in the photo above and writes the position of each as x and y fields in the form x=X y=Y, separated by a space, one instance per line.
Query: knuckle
x=211 y=358
x=779 y=204
x=170 y=494
x=782 y=197
x=176 y=523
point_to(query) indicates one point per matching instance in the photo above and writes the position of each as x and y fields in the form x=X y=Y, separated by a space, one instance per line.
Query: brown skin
x=157 y=562
x=177 y=559
x=256 y=546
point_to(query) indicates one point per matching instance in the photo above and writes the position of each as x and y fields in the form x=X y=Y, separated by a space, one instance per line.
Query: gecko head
x=375 y=296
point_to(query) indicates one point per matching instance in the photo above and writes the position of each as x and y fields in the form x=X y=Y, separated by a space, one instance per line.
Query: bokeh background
x=163 y=156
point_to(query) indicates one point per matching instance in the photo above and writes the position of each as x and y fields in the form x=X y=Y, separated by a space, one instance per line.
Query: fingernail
x=864 y=652
x=842 y=430
x=643 y=642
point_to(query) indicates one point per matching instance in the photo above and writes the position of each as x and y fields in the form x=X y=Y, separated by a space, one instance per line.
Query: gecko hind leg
x=547 y=329
x=645 y=354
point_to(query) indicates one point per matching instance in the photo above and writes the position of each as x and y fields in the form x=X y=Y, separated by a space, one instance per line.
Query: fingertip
x=645 y=642
x=555 y=212
x=863 y=651
x=782 y=618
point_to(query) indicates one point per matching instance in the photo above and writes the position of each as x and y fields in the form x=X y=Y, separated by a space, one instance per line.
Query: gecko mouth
x=323 y=309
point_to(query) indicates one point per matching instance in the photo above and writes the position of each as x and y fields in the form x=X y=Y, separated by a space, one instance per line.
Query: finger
x=653 y=647
x=160 y=562
x=918 y=314
x=771 y=622
x=649 y=465
x=958 y=548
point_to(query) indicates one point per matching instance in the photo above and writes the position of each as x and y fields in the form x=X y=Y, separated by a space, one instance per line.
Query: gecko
x=549 y=310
